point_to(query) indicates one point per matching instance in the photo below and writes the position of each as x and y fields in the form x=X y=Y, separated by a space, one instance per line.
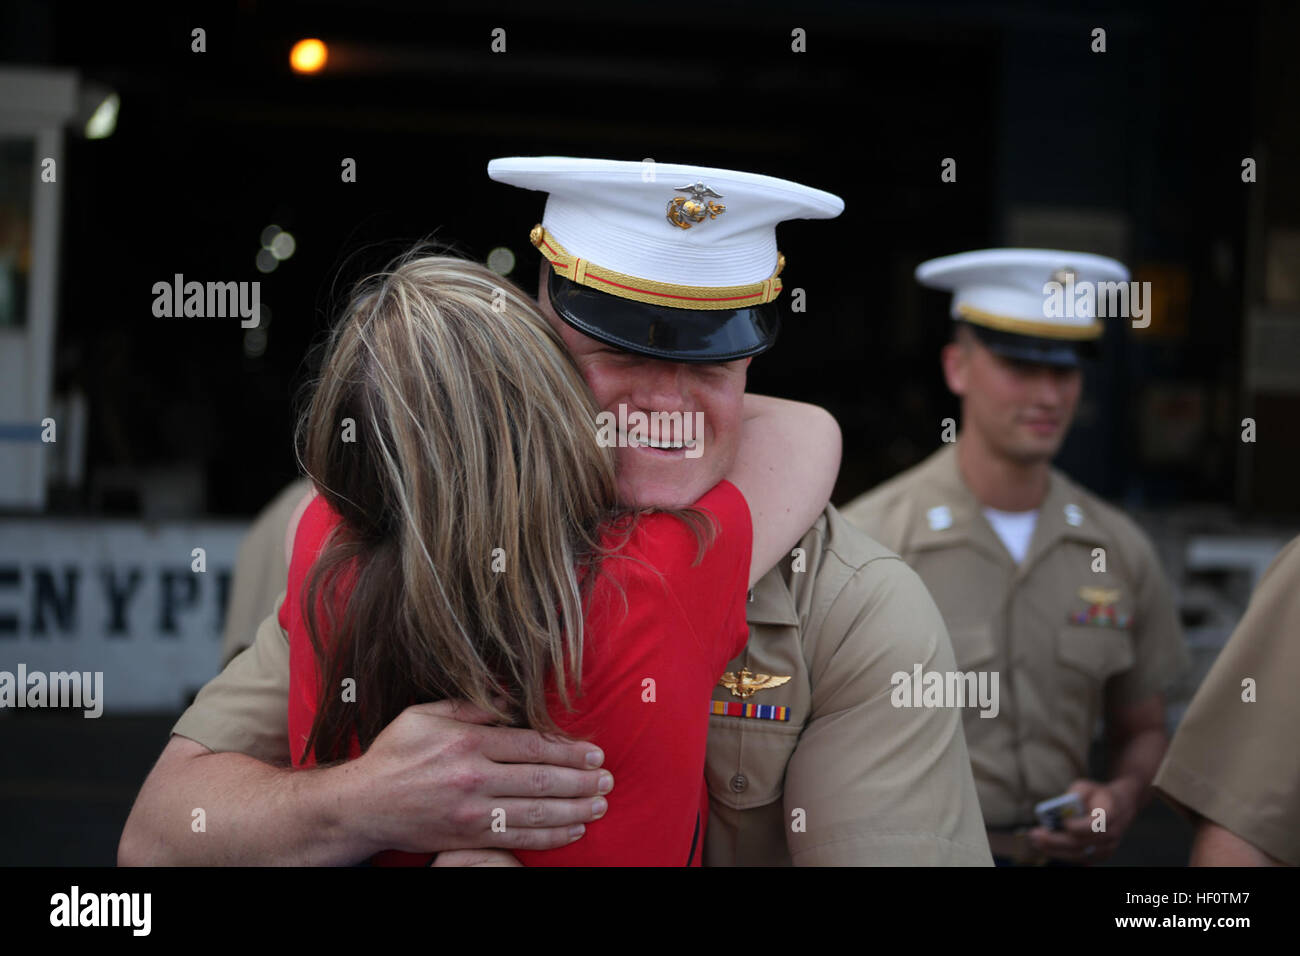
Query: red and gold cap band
x=585 y=272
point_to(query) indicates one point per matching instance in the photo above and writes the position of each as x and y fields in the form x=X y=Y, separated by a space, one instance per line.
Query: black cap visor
x=678 y=335
x=1066 y=353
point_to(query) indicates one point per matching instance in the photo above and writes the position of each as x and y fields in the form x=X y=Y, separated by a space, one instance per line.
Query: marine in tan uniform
x=1067 y=604
x=1234 y=763
x=808 y=762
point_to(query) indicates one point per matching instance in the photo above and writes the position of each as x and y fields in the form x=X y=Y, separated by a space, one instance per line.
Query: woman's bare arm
x=785 y=467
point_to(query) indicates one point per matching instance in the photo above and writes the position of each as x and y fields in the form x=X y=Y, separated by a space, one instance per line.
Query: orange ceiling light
x=308 y=56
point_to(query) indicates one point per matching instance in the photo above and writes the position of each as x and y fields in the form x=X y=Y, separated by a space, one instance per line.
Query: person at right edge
x=1234 y=766
x=1043 y=586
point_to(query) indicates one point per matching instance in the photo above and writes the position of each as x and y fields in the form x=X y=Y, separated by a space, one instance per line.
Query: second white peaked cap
x=1008 y=297
x=687 y=254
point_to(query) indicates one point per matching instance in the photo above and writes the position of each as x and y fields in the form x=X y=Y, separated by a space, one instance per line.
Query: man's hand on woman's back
x=430 y=782
x=538 y=792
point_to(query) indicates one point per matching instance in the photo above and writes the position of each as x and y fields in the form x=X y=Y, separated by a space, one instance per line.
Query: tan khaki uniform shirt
x=260 y=570
x=847 y=779
x=1235 y=761
x=1060 y=633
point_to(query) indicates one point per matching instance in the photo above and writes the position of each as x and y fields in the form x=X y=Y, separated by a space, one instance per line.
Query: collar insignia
x=940 y=518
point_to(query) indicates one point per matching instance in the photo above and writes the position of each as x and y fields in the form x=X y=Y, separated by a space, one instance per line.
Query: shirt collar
x=1066 y=514
x=949 y=514
x=770 y=602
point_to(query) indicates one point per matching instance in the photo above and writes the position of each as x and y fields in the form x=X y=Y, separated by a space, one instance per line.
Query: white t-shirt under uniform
x=1015 y=528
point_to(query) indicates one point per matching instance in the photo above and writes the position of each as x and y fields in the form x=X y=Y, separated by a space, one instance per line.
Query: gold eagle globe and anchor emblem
x=746 y=684
x=683 y=211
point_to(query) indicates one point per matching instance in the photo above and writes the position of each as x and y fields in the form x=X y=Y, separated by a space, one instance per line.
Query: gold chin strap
x=1044 y=330
x=585 y=272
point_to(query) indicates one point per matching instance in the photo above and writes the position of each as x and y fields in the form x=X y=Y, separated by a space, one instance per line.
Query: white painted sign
x=121 y=597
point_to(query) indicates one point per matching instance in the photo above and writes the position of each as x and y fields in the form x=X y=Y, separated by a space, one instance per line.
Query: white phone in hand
x=1054 y=812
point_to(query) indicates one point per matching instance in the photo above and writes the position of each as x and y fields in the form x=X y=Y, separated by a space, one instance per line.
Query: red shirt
x=648 y=674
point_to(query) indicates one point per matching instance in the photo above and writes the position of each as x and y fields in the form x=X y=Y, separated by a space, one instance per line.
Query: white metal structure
x=35 y=105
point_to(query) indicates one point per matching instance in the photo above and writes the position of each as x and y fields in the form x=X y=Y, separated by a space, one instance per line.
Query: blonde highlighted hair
x=473 y=433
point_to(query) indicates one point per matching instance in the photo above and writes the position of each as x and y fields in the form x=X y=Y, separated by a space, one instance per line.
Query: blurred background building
x=225 y=165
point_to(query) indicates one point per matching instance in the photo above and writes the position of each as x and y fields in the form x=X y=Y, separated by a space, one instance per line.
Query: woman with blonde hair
x=467 y=543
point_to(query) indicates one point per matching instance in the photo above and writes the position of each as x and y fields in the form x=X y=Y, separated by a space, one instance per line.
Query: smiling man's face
x=653 y=477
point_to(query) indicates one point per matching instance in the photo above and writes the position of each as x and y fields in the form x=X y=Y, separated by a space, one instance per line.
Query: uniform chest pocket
x=1098 y=652
x=747 y=760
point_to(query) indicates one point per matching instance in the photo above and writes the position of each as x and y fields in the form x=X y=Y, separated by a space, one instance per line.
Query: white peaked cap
x=1008 y=290
x=615 y=217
